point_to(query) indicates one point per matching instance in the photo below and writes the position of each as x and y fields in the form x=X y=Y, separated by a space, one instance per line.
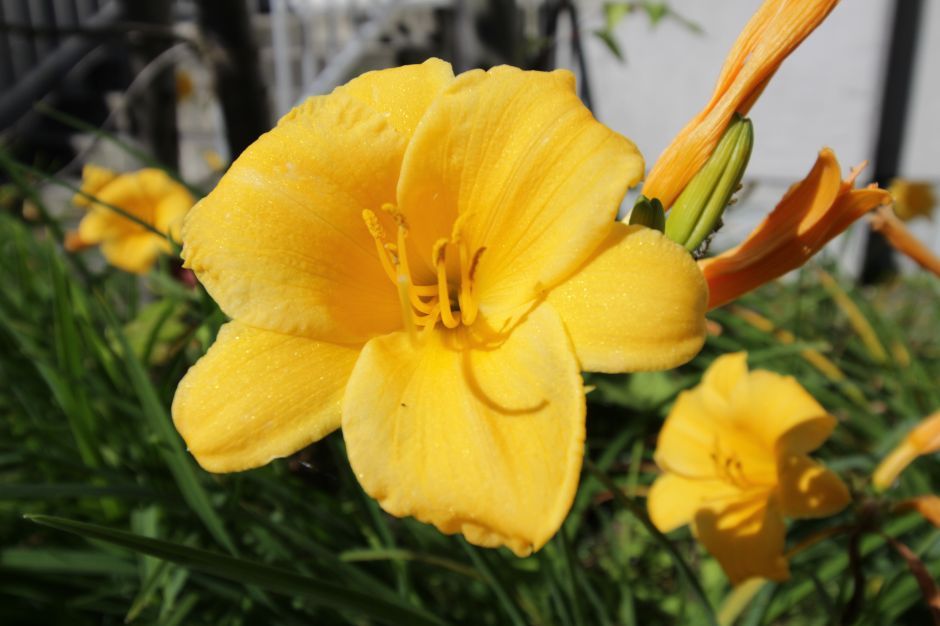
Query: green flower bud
x=698 y=209
x=648 y=213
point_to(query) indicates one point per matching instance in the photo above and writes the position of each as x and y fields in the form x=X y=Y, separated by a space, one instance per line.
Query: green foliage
x=656 y=12
x=106 y=519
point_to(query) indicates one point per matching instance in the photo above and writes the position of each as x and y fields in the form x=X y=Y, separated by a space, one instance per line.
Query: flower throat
x=452 y=301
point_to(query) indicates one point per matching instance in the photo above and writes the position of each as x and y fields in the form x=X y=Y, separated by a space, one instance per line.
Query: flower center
x=728 y=468
x=450 y=299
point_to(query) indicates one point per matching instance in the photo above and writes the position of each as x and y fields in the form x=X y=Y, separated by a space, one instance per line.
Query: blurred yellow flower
x=149 y=195
x=776 y=29
x=923 y=439
x=734 y=455
x=912 y=198
x=428 y=261
x=811 y=214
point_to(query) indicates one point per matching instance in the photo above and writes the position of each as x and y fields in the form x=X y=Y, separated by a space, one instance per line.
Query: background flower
x=130 y=215
x=734 y=455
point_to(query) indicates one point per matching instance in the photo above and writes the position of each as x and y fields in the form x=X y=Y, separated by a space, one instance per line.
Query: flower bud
x=699 y=207
x=649 y=213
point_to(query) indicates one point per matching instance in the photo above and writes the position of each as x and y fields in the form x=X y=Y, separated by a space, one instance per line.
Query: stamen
x=423 y=305
x=378 y=236
x=406 y=313
x=475 y=262
x=443 y=297
x=413 y=290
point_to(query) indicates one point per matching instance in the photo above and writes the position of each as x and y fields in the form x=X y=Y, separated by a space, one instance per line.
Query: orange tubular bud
x=901 y=239
x=811 y=213
x=778 y=27
x=923 y=439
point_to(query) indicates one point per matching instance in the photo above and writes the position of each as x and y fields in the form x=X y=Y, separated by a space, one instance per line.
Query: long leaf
x=174 y=454
x=276 y=580
x=684 y=570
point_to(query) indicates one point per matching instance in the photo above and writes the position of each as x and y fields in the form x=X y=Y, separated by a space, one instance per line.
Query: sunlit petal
x=638 y=303
x=535 y=179
x=485 y=440
x=281 y=244
x=402 y=94
x=259 y=395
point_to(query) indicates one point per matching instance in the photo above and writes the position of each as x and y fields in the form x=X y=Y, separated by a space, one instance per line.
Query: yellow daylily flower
x=923 y=439
x=149 y=195
x=912 y=198
x=734 y=454
x=810 y=215
x=776 y=29
x=429 y=261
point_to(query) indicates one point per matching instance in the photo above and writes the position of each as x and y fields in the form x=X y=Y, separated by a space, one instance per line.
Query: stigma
x=450 y=298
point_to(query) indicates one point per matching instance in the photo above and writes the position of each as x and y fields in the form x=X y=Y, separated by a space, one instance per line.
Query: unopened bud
x=698 y=209
x=648 y=213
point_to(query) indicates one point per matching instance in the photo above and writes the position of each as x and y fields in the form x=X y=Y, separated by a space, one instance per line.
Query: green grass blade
x=274 y=579
x=174 y=454
x=684 y=570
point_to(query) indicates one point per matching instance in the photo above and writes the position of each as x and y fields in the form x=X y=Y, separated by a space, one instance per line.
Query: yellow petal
x=259 y=395
x=687 y=440
x=140 y=194
x=893 y=464
x=673 y=500
x=922 y=439
x=809 y=489
x=535 y=179
x=474 y=438
x=94 y=178
x=783 y=414
x=912 y=198
x=170 y=211
x=725 y=374
x=638 y=303
x=135 y=252
x=281 y=244
x=746 y=536
x=404 y=93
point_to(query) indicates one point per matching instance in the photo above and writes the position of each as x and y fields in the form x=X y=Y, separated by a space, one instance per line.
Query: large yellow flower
x=734 y=455
x=429 y=261
x=149 y=195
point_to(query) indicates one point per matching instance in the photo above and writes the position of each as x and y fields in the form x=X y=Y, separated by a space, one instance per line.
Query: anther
x=372 y=223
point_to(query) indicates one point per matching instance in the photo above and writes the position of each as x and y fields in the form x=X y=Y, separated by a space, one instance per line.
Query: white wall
x=827 y=93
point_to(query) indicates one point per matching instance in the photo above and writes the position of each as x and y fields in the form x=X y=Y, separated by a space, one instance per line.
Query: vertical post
x=879 y=258
x=157 y=108
x=241 y=92
x=280 y=41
